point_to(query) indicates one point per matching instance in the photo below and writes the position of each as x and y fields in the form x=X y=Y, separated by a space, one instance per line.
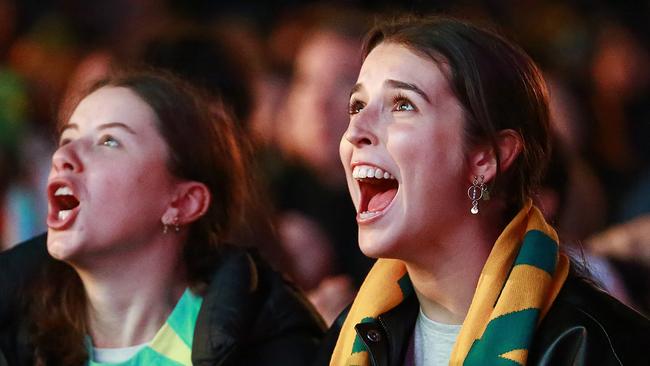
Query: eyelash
x=105 y=140
x=355 y=107
x=108 y=140
x=400 y=99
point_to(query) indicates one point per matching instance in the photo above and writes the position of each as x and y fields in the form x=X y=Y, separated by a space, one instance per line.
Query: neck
x=130 y=298
x=445 y=278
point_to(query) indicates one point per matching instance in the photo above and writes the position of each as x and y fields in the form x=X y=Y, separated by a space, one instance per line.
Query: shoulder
x=587 y=326
x=249 y=305
x=19 y=266
x=18 y=262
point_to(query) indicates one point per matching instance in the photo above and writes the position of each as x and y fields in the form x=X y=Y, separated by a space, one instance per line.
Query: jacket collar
x=387 y=338
x=227 y=313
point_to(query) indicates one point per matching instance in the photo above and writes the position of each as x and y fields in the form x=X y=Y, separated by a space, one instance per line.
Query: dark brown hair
x=205 y=146
x=496 y=83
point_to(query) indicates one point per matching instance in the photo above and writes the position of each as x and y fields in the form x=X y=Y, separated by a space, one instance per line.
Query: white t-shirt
x=115 y=355
x=433 y=341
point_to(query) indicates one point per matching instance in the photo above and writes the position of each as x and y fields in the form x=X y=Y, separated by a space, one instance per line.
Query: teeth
x=63 y=191
x=368 y=214
x=364 y=171
x=63 y=214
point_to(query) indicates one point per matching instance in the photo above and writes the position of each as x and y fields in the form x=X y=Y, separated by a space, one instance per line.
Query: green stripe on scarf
x=538 y=250
x=504 y=334
x=405 y=285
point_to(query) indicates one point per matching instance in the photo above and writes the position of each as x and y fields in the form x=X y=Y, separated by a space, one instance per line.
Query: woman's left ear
x=483 y=159
x=191 y=201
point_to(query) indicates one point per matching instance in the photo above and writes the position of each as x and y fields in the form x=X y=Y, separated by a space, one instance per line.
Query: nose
x=66 y=158
x=361 y=130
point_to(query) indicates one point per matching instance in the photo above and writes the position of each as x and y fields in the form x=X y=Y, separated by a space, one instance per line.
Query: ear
x=483 y=158
x=190 y=202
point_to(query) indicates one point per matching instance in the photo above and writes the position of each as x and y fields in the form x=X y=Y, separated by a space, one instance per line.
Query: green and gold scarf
x=519 y=281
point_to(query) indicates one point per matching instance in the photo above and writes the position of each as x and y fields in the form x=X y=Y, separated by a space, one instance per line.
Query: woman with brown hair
x=447 y=140
x=145 y=189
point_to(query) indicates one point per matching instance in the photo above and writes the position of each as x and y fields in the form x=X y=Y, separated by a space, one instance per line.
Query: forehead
x=113 y=104
x=397 y=62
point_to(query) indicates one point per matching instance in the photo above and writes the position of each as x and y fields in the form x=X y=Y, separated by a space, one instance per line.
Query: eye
x=64 y=141
x=355 y=107
x=108 y=140
x=402 y=104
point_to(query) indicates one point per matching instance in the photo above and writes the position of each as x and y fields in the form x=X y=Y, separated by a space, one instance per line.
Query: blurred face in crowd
x=326 y=68
x=109 y=183
x=403 y=153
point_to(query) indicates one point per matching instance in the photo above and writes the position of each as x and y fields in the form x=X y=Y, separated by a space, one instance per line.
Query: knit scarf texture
x=517 y=285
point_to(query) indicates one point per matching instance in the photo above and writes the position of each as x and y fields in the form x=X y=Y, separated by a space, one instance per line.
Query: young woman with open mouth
x=145 y=188
x=443 y=117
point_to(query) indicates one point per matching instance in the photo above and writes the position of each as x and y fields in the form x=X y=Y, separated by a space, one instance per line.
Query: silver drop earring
x=476 y=192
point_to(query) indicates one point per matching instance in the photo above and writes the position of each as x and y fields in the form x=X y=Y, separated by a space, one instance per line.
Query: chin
x=57 y=249
x=375 y=247
x=60 y=246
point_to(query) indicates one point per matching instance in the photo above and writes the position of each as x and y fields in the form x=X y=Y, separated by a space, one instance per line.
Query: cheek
x=51 y=173
x=431 y=164
x=415 y=144
x=146 y=184
x=345 y=151
x=409 y=146
x=154 y=180
x=150 y=180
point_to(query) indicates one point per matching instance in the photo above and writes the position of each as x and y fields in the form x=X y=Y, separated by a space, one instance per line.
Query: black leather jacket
x=585 y=326
x=250 y=315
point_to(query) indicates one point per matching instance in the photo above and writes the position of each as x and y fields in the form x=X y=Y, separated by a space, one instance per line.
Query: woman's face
x=406 y=132
x=109 y=184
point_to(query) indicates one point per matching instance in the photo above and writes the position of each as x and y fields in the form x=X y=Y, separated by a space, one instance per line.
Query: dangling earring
x=477 y=191
x=174 y=223
x=177 y=227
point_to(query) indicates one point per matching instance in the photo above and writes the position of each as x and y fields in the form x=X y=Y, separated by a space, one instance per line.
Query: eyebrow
x=103 y=126
x=396 y=84
x=355 y=88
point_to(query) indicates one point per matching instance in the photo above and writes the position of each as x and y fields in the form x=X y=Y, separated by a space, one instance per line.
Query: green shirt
x=172 y=345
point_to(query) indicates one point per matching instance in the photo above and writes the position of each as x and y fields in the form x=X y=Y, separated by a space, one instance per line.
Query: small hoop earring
x=477 y=191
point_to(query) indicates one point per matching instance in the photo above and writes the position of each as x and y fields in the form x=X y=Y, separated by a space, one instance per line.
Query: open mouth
x=378 y=189
x=63 y=203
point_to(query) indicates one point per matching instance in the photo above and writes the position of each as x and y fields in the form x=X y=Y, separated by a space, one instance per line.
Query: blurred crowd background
x=285 y=69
